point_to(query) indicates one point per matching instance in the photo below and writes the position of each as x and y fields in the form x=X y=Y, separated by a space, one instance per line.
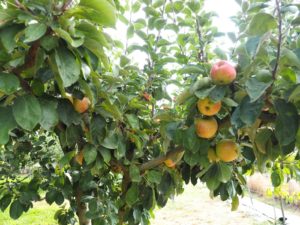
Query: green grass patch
x=40 y=214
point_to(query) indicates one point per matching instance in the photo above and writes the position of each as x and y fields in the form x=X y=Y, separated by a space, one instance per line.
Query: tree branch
x=278 y=7
x=201 y=55
x=29 y=62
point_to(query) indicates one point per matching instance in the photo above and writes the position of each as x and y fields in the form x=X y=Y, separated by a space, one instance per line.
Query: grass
x=40 y=214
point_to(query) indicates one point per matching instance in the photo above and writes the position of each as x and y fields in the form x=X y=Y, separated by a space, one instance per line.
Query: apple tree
x=102 y=137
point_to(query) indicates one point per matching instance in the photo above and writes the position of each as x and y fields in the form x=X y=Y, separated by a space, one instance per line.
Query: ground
x=194 y=207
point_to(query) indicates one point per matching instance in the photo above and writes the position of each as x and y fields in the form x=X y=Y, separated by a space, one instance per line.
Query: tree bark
x=81 y=208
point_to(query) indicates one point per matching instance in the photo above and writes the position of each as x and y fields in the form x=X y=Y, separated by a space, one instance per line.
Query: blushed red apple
x=222 y=73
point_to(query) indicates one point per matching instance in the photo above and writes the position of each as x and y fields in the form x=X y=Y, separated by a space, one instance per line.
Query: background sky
x=223 y=8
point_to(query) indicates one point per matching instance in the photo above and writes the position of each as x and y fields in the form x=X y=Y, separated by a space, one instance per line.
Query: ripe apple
x=208 y=107
x=81 y=105
x=222 y=73
x=206 y=128
x=227 y=150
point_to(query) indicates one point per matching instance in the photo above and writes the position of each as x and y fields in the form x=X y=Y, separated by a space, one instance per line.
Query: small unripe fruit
x=173 y=157
x=79 y=158
x=169 y=163
x=222 y=73
x=81 y=105
x=208 y=107
x=212 y=156
x=206 y=128
x=227 y=150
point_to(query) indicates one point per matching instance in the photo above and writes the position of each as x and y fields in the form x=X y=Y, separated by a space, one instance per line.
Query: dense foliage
x=86 y=127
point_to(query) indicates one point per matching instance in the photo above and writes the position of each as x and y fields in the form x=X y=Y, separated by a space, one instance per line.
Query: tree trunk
x=81 y=208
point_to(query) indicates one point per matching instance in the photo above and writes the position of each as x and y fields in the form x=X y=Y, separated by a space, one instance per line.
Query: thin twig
x=278 y=7
x=66 y=5
x=201 y=55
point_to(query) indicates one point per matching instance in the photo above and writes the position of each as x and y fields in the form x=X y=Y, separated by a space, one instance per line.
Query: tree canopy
x=105 y=139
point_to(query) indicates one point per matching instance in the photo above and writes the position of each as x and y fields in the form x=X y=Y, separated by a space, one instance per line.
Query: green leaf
x=218 y=93
x=124 y=60
x=50 y=196
x=190 y=69
x=7 y=37
x=133 y=121
x=73 y=134
x=136 y=6
x=211 y=178
x=295 y=95
x=89 y=153
x=121 y=149
x=68 y=67
x=276 y=179
x=192 y=142
x=235 y=203
x=27 y=112
x=194 y=5
x=88 y=29
x=67 y=37
x=286 y=125
x=7 y=122
x=255 y=88
x=49 y=114
x=203 y=93
x=224 y=172
x=113 y=110
x=262 y=137
x=98 y=11
x=5 y=202
x=105 y=154
x=97 y=128
x=66 y=159
x=132 y=195
x=16 y=209
x=59 y=198
x=66 y=113
x=9 y=83
x=110 y=141
x=261 y=23
x=49 y=42
x=134 y=173
x=130 y=31
x=288 y=57
x=149 y=198
x=34 y=32
x=247 y=112
x=154 y=176
x=192 y=158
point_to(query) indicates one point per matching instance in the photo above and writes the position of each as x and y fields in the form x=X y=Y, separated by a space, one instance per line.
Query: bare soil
x=195 y=207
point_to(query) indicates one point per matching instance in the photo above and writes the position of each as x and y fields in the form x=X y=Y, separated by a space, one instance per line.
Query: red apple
x=222 y=72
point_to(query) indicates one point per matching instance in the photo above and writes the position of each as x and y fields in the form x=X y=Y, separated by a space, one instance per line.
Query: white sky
x=223 y=8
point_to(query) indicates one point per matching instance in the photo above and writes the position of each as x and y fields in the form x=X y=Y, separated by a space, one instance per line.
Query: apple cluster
x=222 y=73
